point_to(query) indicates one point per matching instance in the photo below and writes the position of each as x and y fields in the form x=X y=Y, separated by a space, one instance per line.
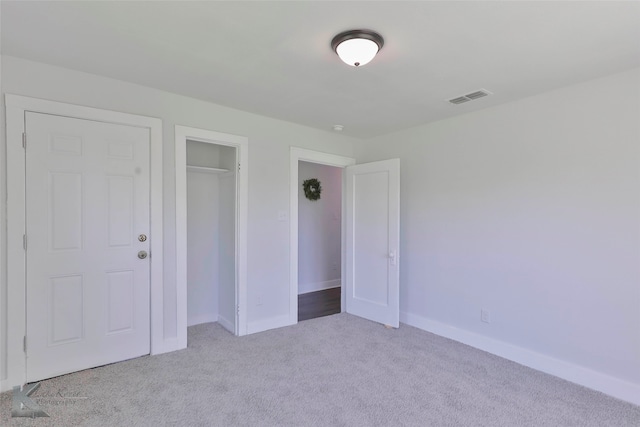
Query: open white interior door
x=372 y=241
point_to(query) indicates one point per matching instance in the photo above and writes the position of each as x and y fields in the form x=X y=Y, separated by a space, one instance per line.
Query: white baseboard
x=265 y=325
x=305 y=288
x=612 y=386
x=226 y=323
x=202 y=318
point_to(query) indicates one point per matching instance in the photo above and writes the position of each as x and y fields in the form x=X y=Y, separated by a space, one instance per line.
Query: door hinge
x=24 y=241
x=24 y=343
x=24 y=140
x=238 y=167
x=238 y=309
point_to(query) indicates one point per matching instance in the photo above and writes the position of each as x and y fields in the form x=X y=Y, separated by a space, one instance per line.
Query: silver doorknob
x=142 y=237
x=142 y=254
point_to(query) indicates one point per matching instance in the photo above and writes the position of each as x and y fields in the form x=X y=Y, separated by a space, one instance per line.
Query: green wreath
x=312 y=189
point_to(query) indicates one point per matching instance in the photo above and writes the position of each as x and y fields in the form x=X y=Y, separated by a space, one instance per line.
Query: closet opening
x=211 y=233
x=319 y=240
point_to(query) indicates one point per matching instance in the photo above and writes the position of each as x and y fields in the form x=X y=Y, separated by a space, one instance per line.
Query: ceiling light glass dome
x=357 y=47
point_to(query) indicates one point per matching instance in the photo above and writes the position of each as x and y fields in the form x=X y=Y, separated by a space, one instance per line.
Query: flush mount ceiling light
x=357 y=47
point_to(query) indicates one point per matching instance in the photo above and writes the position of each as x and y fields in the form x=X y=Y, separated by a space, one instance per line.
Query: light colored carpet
x=338 y=370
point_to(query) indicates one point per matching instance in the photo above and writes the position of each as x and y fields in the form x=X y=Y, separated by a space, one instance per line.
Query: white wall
x=530 y=210
x=227 y=262
x=3 y=232
x=203 y=154
x=203 y=247
x=269 y=140
x=319 y=234
x=203 y=232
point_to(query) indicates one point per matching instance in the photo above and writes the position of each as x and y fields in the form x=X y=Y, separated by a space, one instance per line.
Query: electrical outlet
x=485 y=315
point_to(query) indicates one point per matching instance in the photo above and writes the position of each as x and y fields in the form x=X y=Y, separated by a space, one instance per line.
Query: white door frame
x=16 y=106
x=241 y=143
x=302 y=154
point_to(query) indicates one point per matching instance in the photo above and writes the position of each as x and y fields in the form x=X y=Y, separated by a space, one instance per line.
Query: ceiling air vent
x=470 y=96
x=459 y=100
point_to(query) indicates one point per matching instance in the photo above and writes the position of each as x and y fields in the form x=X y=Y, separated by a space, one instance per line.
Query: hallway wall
x=319 y=229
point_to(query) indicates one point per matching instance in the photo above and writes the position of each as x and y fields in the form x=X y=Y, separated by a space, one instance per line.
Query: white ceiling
x=274 y=58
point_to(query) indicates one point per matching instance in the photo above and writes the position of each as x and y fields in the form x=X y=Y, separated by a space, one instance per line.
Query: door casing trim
x=16 y=106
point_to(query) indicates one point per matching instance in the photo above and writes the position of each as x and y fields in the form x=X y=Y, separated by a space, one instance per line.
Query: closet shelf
x=206 y=169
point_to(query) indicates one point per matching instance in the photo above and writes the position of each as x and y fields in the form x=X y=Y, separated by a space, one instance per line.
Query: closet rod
x=206 y=169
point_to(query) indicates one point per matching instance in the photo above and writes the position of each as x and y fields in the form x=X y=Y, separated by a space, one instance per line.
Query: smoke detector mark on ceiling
x=481 y=93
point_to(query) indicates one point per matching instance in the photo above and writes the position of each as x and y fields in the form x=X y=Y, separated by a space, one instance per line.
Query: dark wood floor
x=318 y=304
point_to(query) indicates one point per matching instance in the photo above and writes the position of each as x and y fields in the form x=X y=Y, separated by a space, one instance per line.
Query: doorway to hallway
x=319 y=240
x=319 y=304
x=370 y=238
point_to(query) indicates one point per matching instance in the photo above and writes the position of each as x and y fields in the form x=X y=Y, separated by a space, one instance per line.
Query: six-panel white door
x=87 y=204
x=372 y=241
